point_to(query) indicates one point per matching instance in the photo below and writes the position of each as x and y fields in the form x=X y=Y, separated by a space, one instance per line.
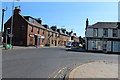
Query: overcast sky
x=72 y=15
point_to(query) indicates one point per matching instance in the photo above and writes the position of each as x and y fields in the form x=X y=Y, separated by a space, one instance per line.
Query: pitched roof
x=37 y=25
x=105 y=25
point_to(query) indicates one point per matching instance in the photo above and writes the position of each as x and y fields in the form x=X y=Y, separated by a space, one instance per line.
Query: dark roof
x=104 y=25
x=33 y=23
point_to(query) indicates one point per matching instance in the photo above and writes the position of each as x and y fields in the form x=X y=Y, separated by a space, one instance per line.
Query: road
x=46 y=62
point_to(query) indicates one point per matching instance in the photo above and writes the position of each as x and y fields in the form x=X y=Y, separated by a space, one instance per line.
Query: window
x=72 y=38
x=95 y=44
x=48 y=33
x=42 y=40
x=58 y=42
x=31 y=28
x=52 y=35
x=38 y=31
x=95 y=32
x=56 y=35
x=115 y=33
x=105 y=32
x=42 y=31
x=52 y=42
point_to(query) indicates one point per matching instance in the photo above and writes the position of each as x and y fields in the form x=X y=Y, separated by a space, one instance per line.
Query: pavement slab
x=95 y=70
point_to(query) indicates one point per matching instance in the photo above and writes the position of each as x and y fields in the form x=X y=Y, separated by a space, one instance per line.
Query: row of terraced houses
x=29 y=31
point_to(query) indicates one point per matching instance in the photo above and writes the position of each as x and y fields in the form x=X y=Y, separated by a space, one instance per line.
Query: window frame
x=115 y=32
x=31 y=28
x=95 y=32
x=105 y=32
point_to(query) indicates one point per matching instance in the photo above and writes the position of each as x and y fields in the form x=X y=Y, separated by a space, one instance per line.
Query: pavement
x=28 y=47
x=95 y=70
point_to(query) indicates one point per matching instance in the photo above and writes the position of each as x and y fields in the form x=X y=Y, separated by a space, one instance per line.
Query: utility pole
x=12 y=22
x=11 y=27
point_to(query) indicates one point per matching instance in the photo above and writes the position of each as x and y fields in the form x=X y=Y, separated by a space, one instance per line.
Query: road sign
x=10 y=35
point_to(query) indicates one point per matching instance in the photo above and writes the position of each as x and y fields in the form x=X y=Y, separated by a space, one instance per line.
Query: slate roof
x=35 y=23
x=105 y=25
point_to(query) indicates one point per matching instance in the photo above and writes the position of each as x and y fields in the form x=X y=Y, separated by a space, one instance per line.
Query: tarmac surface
x=47 y=62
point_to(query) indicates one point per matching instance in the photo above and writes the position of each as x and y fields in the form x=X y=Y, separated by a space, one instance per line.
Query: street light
x=3 y=10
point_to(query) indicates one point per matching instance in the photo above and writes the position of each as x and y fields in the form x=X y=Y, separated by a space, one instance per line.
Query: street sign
x=10 y=35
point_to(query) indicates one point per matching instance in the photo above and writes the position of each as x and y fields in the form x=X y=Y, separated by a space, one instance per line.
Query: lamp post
x=3 y=10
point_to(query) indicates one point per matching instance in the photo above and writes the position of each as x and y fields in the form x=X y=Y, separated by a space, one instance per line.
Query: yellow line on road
x=57 y=73
x=60 y=72
x=52 y=74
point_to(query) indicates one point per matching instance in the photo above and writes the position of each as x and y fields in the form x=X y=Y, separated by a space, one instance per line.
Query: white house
x=103 y=36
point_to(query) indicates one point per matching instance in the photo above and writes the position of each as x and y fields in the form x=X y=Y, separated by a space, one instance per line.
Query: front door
x=38 y=41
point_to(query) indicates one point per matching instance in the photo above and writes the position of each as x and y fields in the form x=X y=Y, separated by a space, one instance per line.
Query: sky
x=69 y=15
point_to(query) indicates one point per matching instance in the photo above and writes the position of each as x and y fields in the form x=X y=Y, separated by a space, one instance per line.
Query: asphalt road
x=46 y=62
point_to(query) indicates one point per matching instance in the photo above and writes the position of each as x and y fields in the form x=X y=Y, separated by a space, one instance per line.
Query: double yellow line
x=57 y=73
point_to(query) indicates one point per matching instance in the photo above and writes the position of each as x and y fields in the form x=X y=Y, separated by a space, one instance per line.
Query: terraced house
x=29 y=31
x=103 y=36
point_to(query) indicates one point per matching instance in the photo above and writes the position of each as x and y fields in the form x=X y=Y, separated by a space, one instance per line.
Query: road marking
x=58 y=72
x=52 y=74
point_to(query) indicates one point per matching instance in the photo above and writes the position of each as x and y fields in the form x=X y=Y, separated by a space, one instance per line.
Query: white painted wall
x=100 y=32
x=109 y=46
x=90 y=45
x=116 y=45
x=89 y=32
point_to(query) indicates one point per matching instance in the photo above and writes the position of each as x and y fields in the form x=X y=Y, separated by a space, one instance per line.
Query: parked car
x=69 y=45
x=73 y=45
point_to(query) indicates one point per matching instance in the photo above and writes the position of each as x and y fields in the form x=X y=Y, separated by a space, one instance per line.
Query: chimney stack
x=54 y=28
x=39 y=20
x=87 y=22
x=17 y=10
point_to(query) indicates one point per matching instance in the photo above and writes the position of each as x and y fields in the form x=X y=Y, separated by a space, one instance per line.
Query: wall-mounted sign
x=31 y=35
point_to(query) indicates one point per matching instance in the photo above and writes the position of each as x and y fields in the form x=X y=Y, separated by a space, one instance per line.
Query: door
x=38 y=41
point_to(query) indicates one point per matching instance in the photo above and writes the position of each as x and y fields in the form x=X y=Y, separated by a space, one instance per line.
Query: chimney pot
x=17 y=10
